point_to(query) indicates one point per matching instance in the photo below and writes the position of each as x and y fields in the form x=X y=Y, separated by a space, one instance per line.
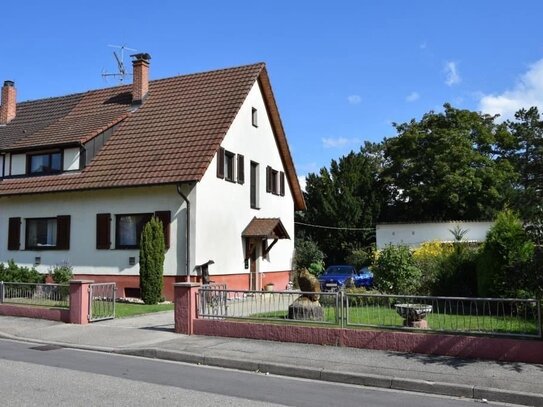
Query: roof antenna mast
x=121 y=70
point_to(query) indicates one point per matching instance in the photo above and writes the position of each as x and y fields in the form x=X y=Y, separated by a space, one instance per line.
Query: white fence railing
x=46 y=295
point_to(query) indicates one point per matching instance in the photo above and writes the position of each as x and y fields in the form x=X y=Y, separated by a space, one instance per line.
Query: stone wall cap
x=81 y=281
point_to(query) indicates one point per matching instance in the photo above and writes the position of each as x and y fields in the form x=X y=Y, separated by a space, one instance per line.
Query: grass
x=380 y=316
x=123 y=310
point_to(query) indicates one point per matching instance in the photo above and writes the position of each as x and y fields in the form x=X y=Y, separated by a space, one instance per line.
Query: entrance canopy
x=265 y=228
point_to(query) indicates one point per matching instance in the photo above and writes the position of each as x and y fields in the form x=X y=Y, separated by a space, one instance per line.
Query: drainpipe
x=187 y=237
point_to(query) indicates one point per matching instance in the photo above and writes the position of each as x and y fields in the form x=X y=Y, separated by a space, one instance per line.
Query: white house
x=206 y=153
x=414 y=234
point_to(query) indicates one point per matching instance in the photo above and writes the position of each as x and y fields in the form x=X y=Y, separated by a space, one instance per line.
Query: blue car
x=340 y=276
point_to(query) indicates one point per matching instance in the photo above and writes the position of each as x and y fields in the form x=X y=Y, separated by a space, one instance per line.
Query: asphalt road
x=36 y=375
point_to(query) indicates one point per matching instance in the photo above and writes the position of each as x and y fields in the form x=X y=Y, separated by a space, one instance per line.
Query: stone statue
x=307 y=306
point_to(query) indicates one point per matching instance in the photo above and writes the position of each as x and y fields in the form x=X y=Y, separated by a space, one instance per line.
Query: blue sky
x=342 y=71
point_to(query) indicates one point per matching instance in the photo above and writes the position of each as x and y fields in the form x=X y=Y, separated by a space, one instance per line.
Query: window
x=254 y=117
x=48 y=233
x=275 y=181
x=229 y=166
x=128 y=229
x=254 y=186
x=48 y=163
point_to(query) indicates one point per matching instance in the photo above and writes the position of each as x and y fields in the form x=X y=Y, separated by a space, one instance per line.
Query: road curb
x=368 y=380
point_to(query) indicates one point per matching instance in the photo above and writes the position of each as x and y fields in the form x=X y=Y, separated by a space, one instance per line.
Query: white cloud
x=452 y=77
x=412 y=97
x=354 y=99
x=527 y=92
x=302 y=180
x=331 y=142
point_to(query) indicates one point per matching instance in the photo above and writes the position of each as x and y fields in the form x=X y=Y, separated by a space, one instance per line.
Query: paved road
x=46 y=375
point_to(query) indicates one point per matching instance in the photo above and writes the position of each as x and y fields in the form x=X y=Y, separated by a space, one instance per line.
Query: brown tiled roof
x=271 y=228
x=171 y=138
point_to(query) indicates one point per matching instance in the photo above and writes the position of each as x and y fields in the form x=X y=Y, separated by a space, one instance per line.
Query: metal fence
x=219 y=303
x=487 y=316
x=494 y=316
x=46 y=295
x=102 y=301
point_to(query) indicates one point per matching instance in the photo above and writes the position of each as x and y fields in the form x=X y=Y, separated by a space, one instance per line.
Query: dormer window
x=44 y=163
x=254 y=117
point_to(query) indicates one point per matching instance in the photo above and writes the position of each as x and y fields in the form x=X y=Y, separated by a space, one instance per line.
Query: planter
x=414 y=314
x=269 y=287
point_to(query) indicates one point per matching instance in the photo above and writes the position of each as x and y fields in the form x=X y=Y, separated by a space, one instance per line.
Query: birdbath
x=414 y=314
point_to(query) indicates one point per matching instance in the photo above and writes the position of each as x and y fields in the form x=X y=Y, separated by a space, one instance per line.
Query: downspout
x=187 y=237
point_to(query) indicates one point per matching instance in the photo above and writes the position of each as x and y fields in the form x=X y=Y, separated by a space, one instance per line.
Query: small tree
x=395 y=271
x=152 y=250
x=505 y=255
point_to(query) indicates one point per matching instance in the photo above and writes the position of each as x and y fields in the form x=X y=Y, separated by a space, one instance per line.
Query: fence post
x=1 y=292
x=185 y=300
x=79 y=301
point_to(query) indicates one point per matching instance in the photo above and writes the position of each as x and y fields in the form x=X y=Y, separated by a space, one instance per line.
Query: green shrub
x=395 y=271
x=502 y=267
x=359 y=258
x=61 y=273
x=19 y=274
x=152 y=250
x=307 y=255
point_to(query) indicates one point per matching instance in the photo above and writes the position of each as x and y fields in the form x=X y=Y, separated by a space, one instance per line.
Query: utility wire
x=333 y=227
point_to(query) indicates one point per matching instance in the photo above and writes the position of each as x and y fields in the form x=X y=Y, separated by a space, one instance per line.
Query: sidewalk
x=152 y=336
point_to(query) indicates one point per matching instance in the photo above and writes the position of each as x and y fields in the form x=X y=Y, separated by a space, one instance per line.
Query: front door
x=253 y=274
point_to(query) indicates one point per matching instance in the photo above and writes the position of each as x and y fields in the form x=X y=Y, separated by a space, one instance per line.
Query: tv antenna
x=119 y=58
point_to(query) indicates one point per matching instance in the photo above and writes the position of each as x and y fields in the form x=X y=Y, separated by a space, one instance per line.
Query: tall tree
x=346 y=196
x=442 y=167
x=526 y=153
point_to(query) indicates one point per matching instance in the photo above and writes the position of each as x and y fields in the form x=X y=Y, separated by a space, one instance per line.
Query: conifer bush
x=152 y=250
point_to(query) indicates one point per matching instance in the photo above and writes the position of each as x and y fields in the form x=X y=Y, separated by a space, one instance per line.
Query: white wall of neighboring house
x=414 y=234
x=223 y=207
x=83 y=208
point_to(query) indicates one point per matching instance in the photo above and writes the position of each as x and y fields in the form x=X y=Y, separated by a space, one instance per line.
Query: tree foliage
x=345 y=196
x=152 y=250
x=442 y=167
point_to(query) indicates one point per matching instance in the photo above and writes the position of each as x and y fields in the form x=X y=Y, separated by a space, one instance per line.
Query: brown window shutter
x=241 y=169
x=282 y=183
x=165 y=218
x=103 y=231
x=220 y=163
x=14 y=234
x=268 y=179
x=63 y=232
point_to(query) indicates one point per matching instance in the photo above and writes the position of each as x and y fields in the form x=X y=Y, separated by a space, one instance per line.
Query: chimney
x=140 y=84
x=7 y=109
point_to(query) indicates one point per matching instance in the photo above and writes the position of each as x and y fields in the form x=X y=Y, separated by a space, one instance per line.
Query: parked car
x=365 y=276
x=340 y=276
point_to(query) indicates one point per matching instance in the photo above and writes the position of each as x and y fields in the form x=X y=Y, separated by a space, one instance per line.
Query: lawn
x=123 y=309
x=388 y=317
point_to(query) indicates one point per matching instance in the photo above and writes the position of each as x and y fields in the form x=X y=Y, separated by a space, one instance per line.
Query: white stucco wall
x=414 y=234
x=83 y=207
x=71 y=159
x=223 y=208
x=18 y=164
